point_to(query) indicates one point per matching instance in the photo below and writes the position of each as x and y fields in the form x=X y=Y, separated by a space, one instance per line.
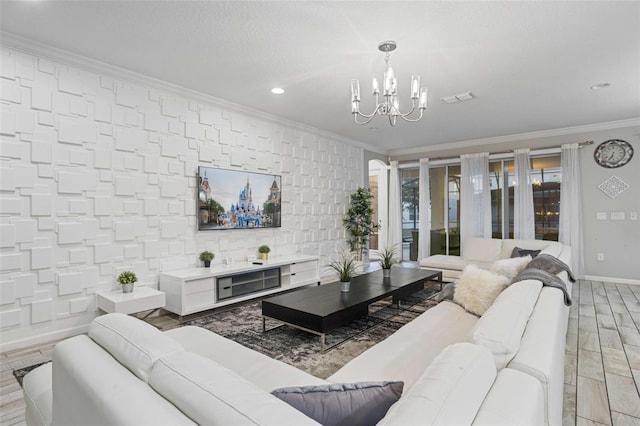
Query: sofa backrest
x=552 y=248
x=481 y=250
x=91 y=388
x=134 y=343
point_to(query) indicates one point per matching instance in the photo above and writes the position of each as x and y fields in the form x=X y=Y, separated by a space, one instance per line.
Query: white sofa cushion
x=213 y=395
x=263 y=371
x=134 y=343
x=449 y=392
x=515 y=398
x=441 y=261
x=481 y=250
x=416 y=344
x=510 y=267
x=502 y=325
x=477 y=289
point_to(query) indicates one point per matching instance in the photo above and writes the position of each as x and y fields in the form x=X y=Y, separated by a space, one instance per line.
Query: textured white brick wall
x=97 y=176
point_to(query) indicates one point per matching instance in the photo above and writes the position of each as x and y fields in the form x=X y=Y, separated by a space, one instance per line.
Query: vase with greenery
x=206 y=256
x=127 y=279
x=345 y=266
x=264 y=252
x=387 y=257
x=359 y=221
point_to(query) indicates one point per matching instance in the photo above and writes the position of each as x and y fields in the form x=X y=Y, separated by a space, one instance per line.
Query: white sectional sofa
x=506 y=367
x=483 y=252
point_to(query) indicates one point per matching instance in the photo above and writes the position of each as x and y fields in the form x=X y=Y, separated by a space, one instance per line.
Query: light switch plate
x=633 y=215
x=601 y=215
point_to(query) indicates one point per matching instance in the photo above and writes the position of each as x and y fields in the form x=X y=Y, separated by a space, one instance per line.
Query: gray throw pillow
x=446 y=293
x=364 y=403
x=520 y=252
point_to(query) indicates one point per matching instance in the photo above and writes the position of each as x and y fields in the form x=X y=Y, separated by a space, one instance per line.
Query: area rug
x=243 y=324
x=21 y=372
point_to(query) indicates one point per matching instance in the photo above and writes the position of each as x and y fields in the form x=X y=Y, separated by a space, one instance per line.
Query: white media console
x=197 y=289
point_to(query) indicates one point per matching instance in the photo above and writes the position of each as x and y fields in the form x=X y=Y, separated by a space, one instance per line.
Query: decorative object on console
x=127 y=279
x=234 y=199
x=390 y=105
x=206 y=256
x=264 y=252
x=613 y=186
x=345 y=266
x=387 y=258
x=477 y=289
x=359 y=221
x=364 y=403
x=613 y=153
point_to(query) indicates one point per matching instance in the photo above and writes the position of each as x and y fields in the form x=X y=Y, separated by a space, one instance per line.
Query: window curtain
x=424 y=226
x=571 y=207
x=523 y=220
x=394 y=236
x=475 y=197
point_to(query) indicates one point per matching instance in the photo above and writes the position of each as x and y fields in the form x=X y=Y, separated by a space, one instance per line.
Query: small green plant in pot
x=207 y=257
x=127 y=279
x=264 y=252
x=387 y=257
x=345 y=265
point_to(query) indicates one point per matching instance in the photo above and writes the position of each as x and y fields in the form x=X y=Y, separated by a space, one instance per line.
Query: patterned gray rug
x=243 y=324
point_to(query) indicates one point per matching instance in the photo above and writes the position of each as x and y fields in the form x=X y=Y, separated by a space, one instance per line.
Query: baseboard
x=43 y=338
x=612 y=280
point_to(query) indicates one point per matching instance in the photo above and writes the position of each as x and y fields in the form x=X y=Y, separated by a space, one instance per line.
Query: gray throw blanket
x=551 y=264
x=547 y=279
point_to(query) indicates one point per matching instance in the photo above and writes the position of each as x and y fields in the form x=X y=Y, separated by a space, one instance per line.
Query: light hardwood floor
x=602 y=361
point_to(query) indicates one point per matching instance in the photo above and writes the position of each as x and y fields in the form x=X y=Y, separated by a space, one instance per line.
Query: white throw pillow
x=477 y=289
x=510 y=267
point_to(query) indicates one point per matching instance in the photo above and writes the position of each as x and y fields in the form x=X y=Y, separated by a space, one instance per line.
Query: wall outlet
x=633 y=215
x=600 y=257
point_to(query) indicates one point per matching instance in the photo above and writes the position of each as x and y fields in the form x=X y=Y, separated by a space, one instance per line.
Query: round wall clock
x=613 y=153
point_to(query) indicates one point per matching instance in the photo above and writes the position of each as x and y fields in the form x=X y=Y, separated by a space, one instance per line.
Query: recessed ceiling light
x=600 y=86
x=277 y=90
x=373 y=128
x=466 y=96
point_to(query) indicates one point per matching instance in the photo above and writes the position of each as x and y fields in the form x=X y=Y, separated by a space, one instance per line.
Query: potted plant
x=345 y=266
x=359 y=221
x=206 y=256
x=264 y=252
x=127 y=279
x=387 y=258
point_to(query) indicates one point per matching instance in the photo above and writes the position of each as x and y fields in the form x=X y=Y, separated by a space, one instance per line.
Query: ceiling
x=530 y=65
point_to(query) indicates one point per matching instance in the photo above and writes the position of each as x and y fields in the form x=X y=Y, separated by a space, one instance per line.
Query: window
x=410 y=213
x=445 y=209
x=545 y=176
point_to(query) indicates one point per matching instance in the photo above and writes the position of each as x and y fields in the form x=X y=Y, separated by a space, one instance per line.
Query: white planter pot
x=345 y=286
x=386 y=273
x=127 y=288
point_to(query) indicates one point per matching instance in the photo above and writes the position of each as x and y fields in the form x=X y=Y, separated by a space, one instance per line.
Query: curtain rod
x=494 y=156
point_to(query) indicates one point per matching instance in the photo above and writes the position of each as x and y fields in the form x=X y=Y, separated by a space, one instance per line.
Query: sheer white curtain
x=523 y=219
x=571 y=207
x=394 y=234
x=424 y=227
x=475 y=196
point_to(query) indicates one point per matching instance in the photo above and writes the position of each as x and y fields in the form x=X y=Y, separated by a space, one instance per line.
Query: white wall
x=98 y=176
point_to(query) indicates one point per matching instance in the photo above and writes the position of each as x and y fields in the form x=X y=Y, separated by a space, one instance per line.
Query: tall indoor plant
x=359 y=221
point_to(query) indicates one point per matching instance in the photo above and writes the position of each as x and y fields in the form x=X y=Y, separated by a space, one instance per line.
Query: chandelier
x=390 y=105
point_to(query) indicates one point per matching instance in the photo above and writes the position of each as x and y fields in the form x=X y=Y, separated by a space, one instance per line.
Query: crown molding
x=518 y=137
x=52 y=53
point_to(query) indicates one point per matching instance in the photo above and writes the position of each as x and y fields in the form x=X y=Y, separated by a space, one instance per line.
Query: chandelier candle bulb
x=415 y=87
x=375 y=89
x=423 y=98
x=354 y=107
x=355 y=90
x=396 y=106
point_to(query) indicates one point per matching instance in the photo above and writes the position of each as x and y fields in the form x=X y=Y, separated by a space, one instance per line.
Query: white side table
x=141 y=299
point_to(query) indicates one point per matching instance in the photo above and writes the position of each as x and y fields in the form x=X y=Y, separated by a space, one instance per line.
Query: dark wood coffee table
x=321 y=309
